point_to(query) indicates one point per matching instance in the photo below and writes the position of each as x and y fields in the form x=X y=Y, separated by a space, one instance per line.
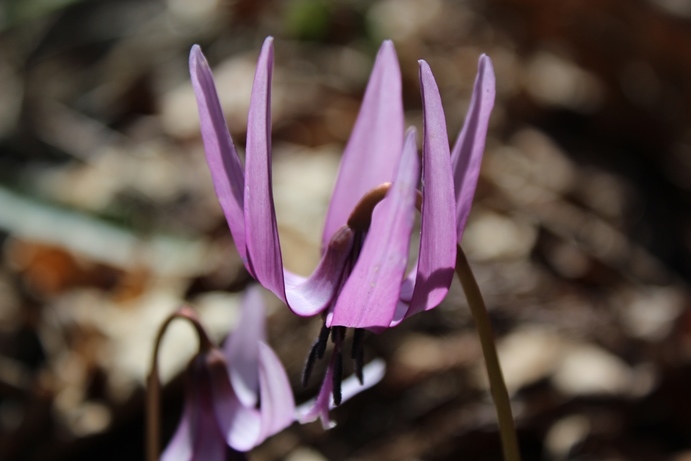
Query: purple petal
x=277 y=404
x=310 y=296
x=247 y=427
x=304 y=296
x=263 y=245
x=241 y=350
x=226 y=170
x=470 y=145
x=374 y=147
x=198 y=436
x=319 y=407
x=437 y=254
x=196 y=441
x=370 y=295
x=240 y=425
x=181 y=445
x=372 y=374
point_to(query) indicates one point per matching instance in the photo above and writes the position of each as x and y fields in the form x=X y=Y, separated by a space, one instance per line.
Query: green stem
x=153 y=388
x=500 y=395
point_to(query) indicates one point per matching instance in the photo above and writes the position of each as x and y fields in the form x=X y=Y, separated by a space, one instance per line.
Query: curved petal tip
x=470 y=145
x=197 y=58
x=376 y=141
x=486 y=70
x=268 y=44
x=388 y=51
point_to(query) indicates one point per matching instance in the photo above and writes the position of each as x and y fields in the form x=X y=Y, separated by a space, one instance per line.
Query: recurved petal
x=241 y=349
x=370 y=295
x=309 y=296
x=239 y=425
x=247 y=427
x=319 y=407
x=305 y=296
x=350 y=387
x=374 y=147
x=277 y=405
x=226 y=170
x=261 y=231
x=436 y=257
x=470 y=145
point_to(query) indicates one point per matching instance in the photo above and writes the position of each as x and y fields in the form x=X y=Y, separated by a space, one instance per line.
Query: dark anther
x=338 y=335
x=359 y=364
x=316 y=352
x=358 y=335
x=309 y=364
x=337 y=377
x=322 y=340
x=357 y=353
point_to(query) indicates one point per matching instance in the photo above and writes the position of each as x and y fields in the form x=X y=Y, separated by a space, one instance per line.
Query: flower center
x=338 y=333
x=318 y=350
x=359 y=221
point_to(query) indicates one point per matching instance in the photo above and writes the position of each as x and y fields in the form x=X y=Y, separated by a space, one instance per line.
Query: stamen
x=338 y=336
x=316 y=352
x=309 y=364
x=357 y=353
x=322 y=340
x=358 y=334
x=359 y=365
x=337 y=377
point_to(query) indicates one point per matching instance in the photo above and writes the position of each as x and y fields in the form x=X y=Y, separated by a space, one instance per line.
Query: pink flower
x=361 y=280
x=236 y=397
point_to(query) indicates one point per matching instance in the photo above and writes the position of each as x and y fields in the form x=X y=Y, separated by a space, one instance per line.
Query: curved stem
x=500 y=395
x=153 y=384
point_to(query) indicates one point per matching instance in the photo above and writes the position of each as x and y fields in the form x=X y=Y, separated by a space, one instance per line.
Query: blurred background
x=580 y=234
